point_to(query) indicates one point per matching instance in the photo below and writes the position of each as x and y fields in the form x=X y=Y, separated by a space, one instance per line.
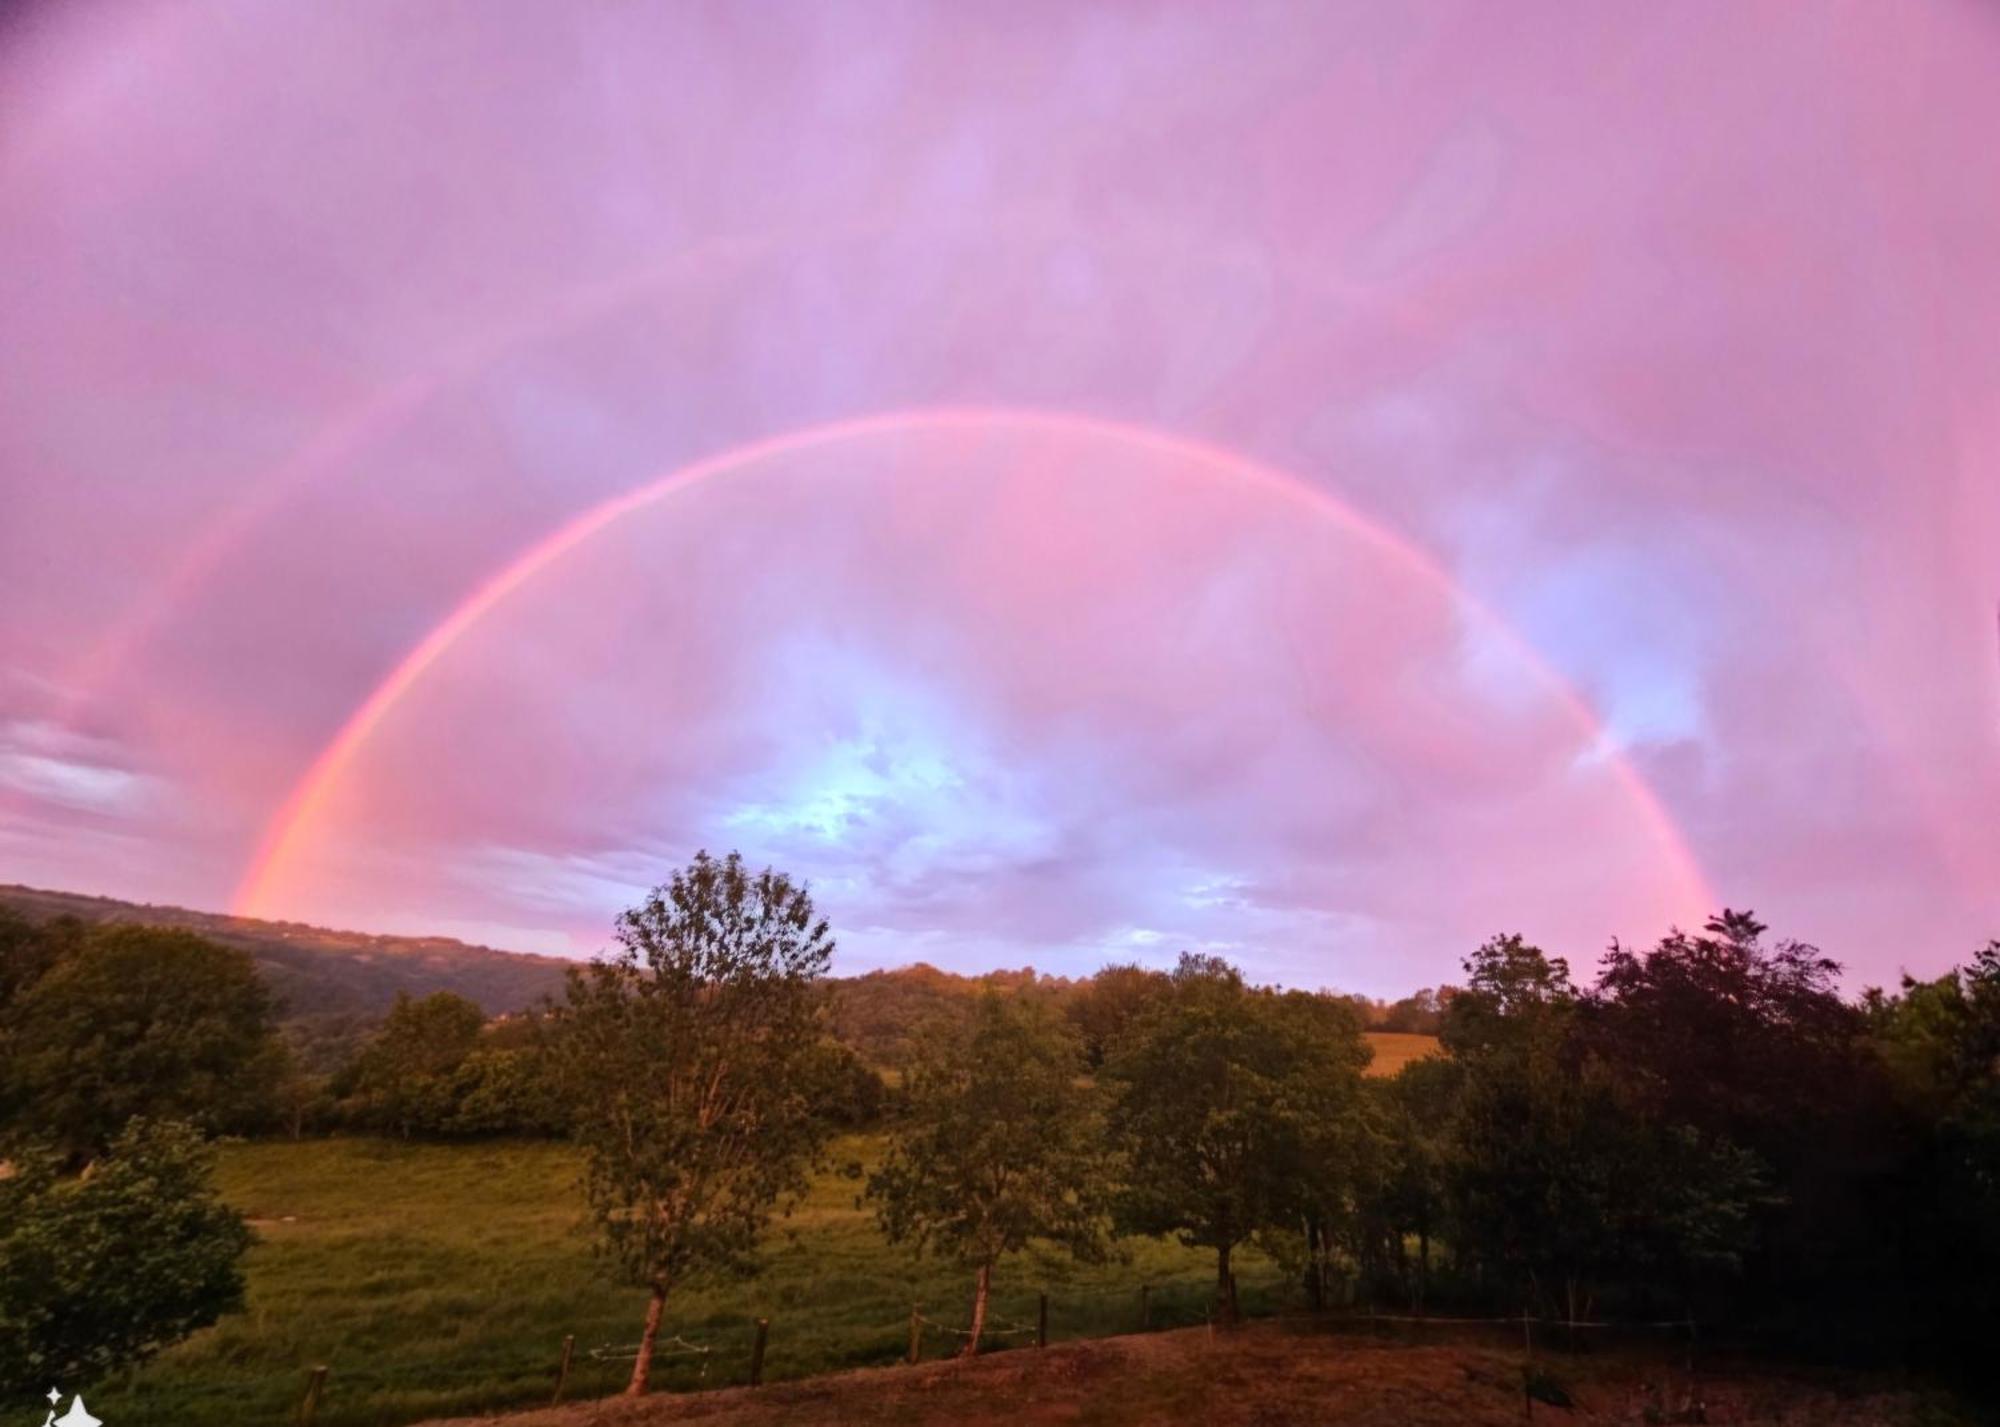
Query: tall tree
x=1748 y=1046
x=1222 y=1104
x=999 y=1146
x=687 y=1059
x=100 y=1271
x=134 y=1020
x=1406 y=1197
x=1940 y=1043
x=1564 y=1174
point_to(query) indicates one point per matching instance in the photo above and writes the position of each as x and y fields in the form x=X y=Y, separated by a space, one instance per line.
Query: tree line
x=1707 y=1127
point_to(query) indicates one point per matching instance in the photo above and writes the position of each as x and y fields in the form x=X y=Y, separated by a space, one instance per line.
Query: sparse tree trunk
x=642 y=1365
x=980 y=1287
x=1423 y=1266
x=1225 y=1286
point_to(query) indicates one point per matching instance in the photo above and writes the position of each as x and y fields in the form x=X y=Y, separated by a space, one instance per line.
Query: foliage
x=849 y=1094
x=1940 y=1043
x=1419 y=1014
x=436 y=1069
x=1106 y=1006
x=406 y=1080
x=999 y=1146
x=138 y=1021
x=880 y=1014
x=686 y=1059
x=1228 y=1104
x=100 y=1271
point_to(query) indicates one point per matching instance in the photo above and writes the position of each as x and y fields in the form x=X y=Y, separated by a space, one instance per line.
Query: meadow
x=436 y=1280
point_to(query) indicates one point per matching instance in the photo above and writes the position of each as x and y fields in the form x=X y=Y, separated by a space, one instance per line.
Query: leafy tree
x=1407 y=1195
x=1418 y=1014
x=1108 y=1004
x=1749 y=1047
x=686 y=1061
x=28 y=950
x=1720 y=1032
x=131 y=1021
x=1564 y=1172
x=407 y=1079
x=1226 y=1102
x=102 y=1270
x=999 y=1146
x=851 y=1094
x=1939 y=1041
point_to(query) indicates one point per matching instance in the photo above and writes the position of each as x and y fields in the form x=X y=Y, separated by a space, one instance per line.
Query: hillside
x=320 y=973
x=333 y=983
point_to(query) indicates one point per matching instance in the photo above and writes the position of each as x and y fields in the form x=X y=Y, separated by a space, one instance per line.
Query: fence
x=1150 y=1307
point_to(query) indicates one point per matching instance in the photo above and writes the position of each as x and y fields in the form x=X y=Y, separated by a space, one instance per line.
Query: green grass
x=440 y=1279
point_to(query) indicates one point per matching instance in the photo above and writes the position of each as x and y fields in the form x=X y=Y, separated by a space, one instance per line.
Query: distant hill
x=333 y=983
x=880 y=1013
x=319 y=973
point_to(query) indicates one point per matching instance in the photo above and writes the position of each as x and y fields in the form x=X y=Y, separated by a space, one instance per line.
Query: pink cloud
x=1672 y=333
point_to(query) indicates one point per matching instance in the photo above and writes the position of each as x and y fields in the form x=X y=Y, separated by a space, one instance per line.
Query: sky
x=1321 y=485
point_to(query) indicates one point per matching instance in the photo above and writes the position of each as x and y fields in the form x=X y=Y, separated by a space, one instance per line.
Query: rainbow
x=291 y=827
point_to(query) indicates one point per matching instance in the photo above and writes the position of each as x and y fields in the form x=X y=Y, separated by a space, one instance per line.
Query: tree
x=102 y=1270
x=1109 y=1003
x=686 y=1060
x=1939 y=1042
x=851 y=1093
x=1415 y=1121
x=999 y=1146
x=29 y=950
x=1225 y=1099
x=1564 y=1172
x=407 y=1079
x=1418 y=1014
x=132 y=1021
x=1750 y=1048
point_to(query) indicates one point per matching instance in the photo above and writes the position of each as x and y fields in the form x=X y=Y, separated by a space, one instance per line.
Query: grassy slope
x=440 y=1280
x=315 y=971
x=1396 y=1049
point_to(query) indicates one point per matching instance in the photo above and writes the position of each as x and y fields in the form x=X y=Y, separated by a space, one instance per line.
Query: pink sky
x=1600 y=513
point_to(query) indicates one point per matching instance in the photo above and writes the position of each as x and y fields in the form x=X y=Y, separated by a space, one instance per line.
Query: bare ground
x=1265 y=1375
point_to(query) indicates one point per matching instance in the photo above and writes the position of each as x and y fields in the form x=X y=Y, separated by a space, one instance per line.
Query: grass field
x=440 y=1279
x=1396 y=1049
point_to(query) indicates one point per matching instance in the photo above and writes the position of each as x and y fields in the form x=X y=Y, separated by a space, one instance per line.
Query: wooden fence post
x=562 y=1368
x=757 y=1352
x=1042 y=1322
x=1695 y=1404
x=1527 y=1367
x=309 y=1404
x=916 y=1332
x=1145 y=1306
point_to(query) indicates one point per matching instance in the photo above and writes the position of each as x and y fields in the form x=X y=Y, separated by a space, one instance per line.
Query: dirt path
x=1267 y=1375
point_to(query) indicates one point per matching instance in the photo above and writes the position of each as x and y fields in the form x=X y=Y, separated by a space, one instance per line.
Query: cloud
x=1672 y=342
